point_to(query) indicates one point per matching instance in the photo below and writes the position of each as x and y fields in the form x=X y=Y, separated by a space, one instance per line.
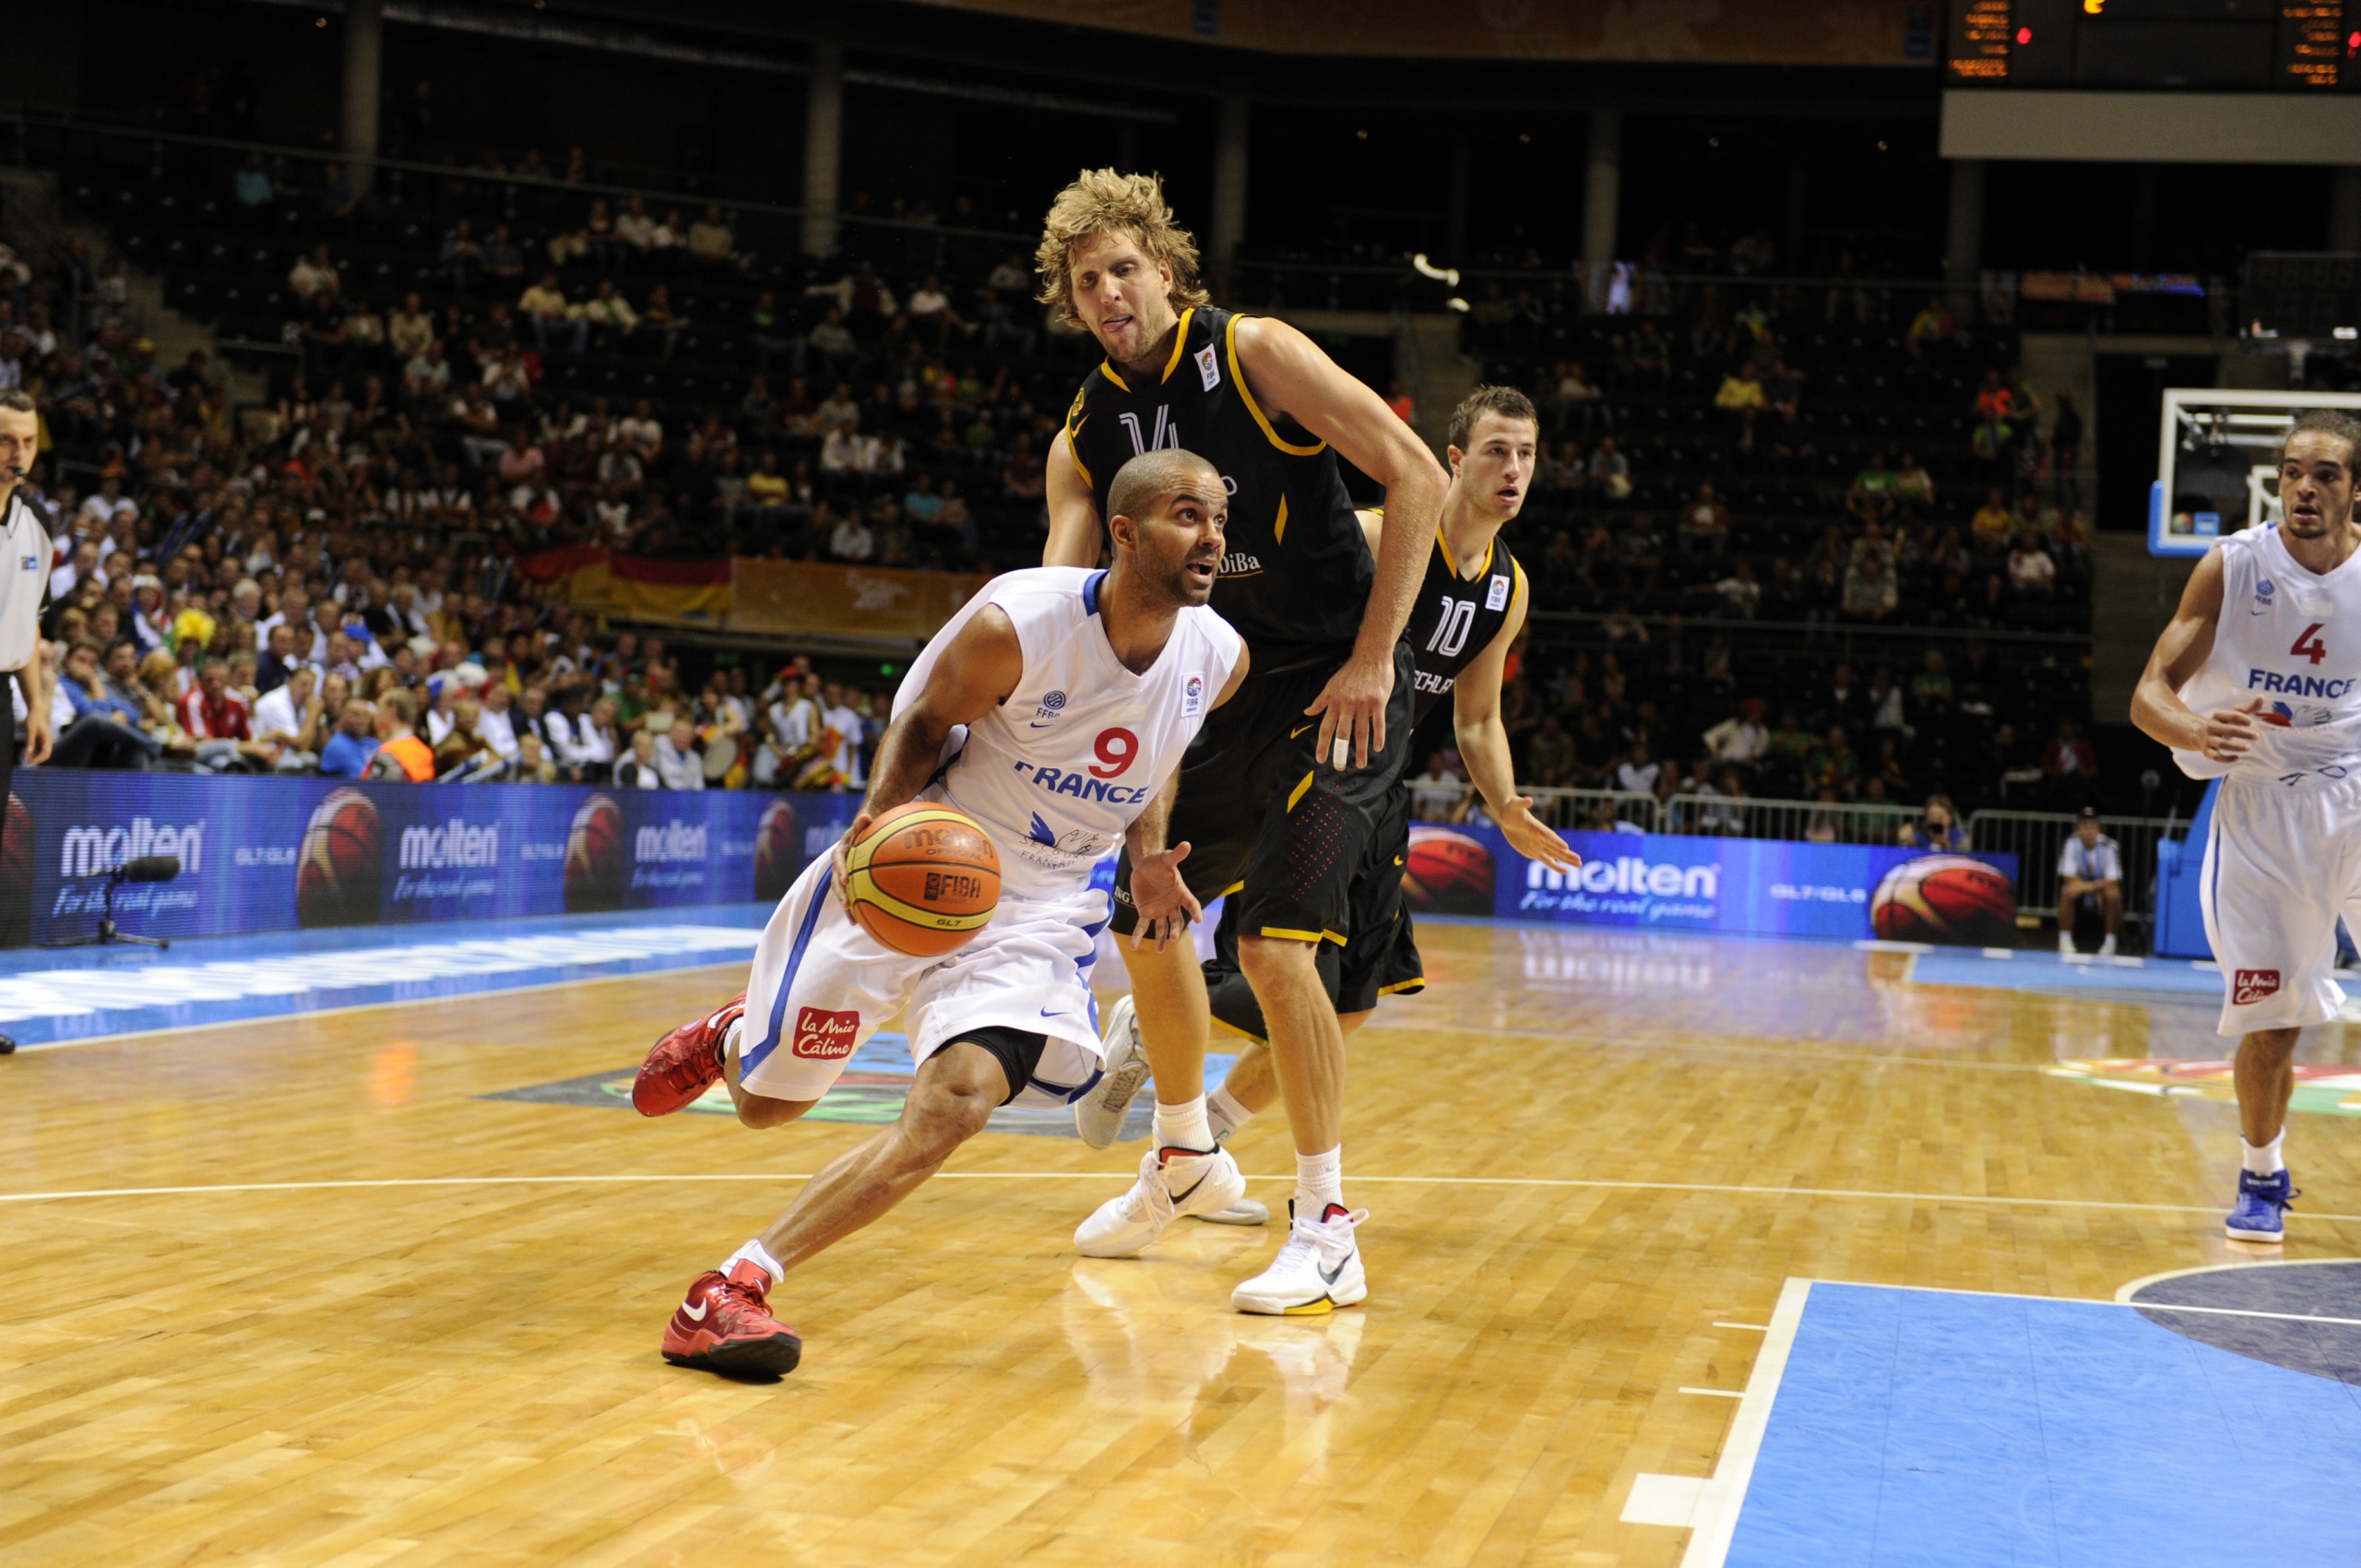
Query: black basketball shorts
x=1379 y=955
x=1268 y=823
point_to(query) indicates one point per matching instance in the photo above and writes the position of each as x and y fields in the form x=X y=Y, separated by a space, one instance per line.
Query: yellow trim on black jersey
x=1516 y=592
x=1074 y=450
x=1296 y=793
x=1398 y=987
x=1451 y=562
x=1107 y=367
x=1179 y=346
x=1279 y=529
x=1246 y=392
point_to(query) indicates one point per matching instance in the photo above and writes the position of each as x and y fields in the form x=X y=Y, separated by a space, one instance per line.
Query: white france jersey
x=2294 y=640
x=1057 y=772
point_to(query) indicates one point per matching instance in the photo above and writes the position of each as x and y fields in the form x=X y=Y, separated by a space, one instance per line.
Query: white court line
x=1718 y=1393
x=302 y=1014
x=1716 y=1515
x=1749 y=1328
x=199 y=1189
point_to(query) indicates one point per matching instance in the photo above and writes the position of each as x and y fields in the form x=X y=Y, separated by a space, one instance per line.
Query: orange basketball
x=924 y=879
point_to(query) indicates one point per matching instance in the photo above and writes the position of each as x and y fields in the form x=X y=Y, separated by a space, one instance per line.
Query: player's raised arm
x=1484 y=745
x=1077 y=534
x=2180 y=652
x=974 y=675
x=1290 y=376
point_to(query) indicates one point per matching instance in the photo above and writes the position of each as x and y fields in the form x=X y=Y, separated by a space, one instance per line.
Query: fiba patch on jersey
x=1193 y=698
x=1209 y=367
x=1497 y=596
x=2252 y=985
x=824 y=1036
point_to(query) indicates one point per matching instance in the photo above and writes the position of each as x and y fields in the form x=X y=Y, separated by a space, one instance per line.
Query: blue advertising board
x=1761 y=886
x=279 y=854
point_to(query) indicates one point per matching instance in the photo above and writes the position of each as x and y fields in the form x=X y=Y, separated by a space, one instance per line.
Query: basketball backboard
x=2217 y=454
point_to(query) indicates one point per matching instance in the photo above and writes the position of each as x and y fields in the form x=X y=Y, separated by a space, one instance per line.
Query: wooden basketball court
x=297 y=1292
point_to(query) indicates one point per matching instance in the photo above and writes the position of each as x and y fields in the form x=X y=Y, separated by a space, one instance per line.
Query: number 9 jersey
x=1060 y=770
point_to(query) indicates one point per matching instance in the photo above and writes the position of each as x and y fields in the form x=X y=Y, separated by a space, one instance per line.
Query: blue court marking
x=814 y=905
x=57 y=997
x=1937 y=1427
x=2099 y=980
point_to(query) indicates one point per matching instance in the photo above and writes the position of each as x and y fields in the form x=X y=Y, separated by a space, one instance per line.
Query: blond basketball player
x=1053 y=710
x=2256 y=682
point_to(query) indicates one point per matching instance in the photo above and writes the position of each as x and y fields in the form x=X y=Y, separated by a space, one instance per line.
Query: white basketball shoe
x=1317 y=1270
x=1099 y=1115
x=1173 y=1181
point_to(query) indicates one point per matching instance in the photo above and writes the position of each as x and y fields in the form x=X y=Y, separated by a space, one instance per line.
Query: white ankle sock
x=2107 y=948
x=754 y=1252
x=2264 y=1159
x=1184 y=1125
x=1318 y=1182
x=2066 y=944
x=1225 y=1114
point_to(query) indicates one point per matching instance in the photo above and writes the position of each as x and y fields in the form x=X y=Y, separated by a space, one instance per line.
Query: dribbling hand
x=2230 y=733
x=1160 y=900
x=842 y=857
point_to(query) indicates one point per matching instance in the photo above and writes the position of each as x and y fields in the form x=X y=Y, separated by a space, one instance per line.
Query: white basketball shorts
x=821 y=986
x=2281 y=863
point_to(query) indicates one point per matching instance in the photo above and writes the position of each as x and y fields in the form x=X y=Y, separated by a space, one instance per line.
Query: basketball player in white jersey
x=2256 y=682
x=1052 y=709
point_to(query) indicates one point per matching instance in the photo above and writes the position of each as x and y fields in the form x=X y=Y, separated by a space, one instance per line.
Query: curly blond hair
x=1103 y=201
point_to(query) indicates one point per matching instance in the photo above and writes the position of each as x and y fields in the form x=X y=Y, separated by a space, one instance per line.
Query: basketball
x=1946 y=899
x=924 y=879
x=1447 y=873
x=776 y=857
x=593 y=856
x=338 y=866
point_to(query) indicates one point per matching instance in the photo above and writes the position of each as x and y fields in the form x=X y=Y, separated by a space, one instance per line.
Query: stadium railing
x=2035 y=839
x=1567 y=810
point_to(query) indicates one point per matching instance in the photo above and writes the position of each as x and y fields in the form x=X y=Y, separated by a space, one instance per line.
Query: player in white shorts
x=1053 y=710
x=2256 y=682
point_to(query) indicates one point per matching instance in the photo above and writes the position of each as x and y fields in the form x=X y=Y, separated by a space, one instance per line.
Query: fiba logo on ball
x=1447 y=873
x=1946 y=899
x=340 y=862
x=775 y=851
x=593 y=856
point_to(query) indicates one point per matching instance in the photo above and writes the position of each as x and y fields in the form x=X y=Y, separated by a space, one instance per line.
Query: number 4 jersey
x=1057 y=772
x=2292 y=639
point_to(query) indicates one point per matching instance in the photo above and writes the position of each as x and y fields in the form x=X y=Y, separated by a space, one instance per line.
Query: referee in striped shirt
x=24 y=581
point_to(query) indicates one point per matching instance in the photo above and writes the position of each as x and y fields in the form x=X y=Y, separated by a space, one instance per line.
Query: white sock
x=732 y=1036
x=1184 y=1125
x=1225 y=1114
x=1318 y=1182
x=2066 y=942
x=2264 y=1159
x=2107 y=948
x=754 y=1252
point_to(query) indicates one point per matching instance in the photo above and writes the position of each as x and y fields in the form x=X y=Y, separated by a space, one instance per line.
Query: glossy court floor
x=385 y=1286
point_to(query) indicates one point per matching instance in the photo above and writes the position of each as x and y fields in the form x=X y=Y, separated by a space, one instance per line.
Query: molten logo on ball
x=1447 y=873
x=343 y=856
x=593 y=856
x=1946 y=899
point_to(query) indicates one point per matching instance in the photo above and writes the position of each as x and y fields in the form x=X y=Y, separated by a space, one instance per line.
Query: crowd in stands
x=475 y=377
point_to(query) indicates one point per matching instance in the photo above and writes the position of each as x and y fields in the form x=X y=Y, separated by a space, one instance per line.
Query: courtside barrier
x=262 y=853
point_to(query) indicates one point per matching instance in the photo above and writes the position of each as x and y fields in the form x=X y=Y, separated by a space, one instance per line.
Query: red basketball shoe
x=685 y=1063
x=724 y=1326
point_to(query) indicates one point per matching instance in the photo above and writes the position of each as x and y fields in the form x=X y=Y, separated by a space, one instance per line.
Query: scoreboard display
x=2223 y=45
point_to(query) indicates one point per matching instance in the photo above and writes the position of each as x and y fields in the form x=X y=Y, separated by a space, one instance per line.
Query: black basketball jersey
x=1297 y=571
x=1456 y=618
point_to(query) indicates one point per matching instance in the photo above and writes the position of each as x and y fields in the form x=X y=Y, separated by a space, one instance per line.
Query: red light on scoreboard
x=2024 y=36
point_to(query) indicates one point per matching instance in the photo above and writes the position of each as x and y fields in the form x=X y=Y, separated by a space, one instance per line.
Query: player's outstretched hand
x=1351 y=710
x=843 y=858
x=2230 y=733
x=1161 y=900
x=1532 y=839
